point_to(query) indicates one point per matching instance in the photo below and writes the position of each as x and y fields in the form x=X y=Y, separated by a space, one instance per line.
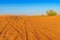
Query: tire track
x=41 y=30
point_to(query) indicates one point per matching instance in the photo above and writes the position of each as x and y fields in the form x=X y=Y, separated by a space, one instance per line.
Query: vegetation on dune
x=42 y=15
x=51 y=13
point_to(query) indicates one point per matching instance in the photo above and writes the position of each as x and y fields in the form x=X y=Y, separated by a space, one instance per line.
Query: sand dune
x=29 y=28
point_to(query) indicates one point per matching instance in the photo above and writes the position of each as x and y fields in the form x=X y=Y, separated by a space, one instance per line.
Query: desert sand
x=29 y=27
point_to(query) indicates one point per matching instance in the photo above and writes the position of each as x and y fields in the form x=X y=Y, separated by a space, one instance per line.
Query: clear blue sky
x=29 y=7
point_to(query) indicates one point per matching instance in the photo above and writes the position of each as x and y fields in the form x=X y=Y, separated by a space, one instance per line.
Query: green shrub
x=51 y=13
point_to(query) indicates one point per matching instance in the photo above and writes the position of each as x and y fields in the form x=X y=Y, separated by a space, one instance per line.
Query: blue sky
x=28 y=7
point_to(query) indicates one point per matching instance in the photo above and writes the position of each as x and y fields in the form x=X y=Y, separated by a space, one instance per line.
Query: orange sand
x=29 y=28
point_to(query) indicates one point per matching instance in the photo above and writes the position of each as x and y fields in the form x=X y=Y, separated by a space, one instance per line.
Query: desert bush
x=51 y=13
x=42 y=15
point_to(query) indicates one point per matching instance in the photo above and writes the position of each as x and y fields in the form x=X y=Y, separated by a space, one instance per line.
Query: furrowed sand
x=29 y=27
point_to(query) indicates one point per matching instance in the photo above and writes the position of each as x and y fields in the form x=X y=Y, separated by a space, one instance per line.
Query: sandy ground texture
x=29 y=28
